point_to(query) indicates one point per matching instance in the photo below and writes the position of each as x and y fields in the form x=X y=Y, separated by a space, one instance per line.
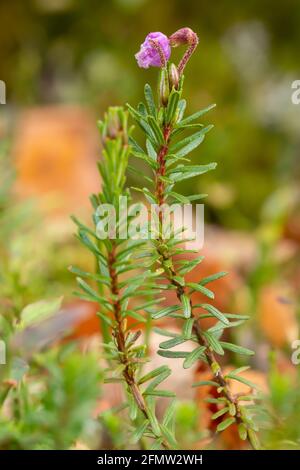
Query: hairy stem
x=171 y=275
x=120 y=337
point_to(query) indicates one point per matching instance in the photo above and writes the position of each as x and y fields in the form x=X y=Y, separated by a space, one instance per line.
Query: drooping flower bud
x=184 y=36
x=154 y=52
x=164 y=88
x=173 y=76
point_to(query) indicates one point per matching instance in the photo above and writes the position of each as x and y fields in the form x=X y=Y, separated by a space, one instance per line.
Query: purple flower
x=154 y=51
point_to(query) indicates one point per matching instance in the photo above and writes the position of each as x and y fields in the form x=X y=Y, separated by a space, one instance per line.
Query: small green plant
x=118 y=283
x=169 y=138
x=122 y=293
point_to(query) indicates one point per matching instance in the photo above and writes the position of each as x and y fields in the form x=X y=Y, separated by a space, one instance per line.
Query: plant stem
x=171 y=275
x=120 y=337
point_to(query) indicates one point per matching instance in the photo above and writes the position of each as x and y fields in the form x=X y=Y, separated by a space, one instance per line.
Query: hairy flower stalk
x=167 y=159
x=114 y=259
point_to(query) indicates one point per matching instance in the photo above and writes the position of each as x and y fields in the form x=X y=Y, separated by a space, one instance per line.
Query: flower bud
x=173 y=77
x=114 y=125
x=164 y=87
x=183 y=36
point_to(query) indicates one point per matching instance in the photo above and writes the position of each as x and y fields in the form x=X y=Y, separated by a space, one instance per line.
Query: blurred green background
x=68 y=51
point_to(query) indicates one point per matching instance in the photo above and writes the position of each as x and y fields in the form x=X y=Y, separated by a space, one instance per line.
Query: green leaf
x=133 y=143
x=129 y=248
x=162 y=332
x=202 y=383
x=91 y=246
x=152 y=417
x=180 y=128
x=172 y=106
x=106 y=319
x=165 y=312
x=192 y=145
x=151 y=150
x=159 y=393
x=133 y=407
x=134 y=113
x=91 y=292
x=159 y=379
x=219 y=327
x=239 y=370
x=171 y=343
x=180 y=280
x=178 y=197
x=254 y=439
x=196 y=197
x=198 y=114
x=185 y=146
x=220 y=413
x=216 y=313
x=181 y=173
x=168 y=435
x=169 y=415
x=237 y=349
x=150 y=100
x=96 y=277
x=150 y=303
x=139 y=432
x=186 y=304
x=214 y=343
x=142 y=109
x=188 y=266
x=148 y=195
x=137 y=316
x=181 y=109
x=83 y=227
x=225 y=424
x=242 y=430
x=213 y=277
x=173 y=354
x=157 y=444
x=193 y=356
x=217 y=401
x=156 y=130
x=146 y=158
x=208 y=293
x=242 y=380
x=188 y=328
x=232 y=409
x=236 y=316
x=154 y=373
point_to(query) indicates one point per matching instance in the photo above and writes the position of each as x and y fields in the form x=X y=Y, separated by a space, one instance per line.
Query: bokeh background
x=65 y=61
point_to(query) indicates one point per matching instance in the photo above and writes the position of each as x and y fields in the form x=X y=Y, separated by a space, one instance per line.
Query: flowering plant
x=170 y=137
